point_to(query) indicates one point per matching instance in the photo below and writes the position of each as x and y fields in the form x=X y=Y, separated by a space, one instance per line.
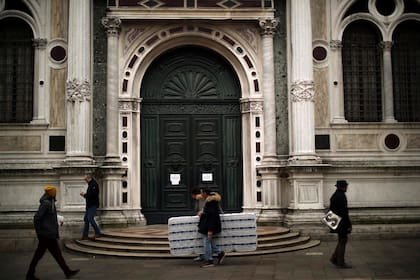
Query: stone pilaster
x=112 y=24
x=337 y=90
x=40 y=100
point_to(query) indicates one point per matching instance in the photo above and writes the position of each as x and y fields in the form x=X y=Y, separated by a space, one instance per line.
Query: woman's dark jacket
x=210 y=218
x=338 y=204
x=45 y=220
x=92 y=194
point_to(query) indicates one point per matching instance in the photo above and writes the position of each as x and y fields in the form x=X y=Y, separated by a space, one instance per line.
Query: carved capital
x=78 y=90
x=112 y=25
x=336 y=44
x=386 y=45
x=302 y=91
x=129 y=105
x=254 y=106
x=39 y=43
x=268 y=26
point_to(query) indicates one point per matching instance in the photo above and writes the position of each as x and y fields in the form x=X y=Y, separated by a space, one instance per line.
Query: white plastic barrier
x=239 y=234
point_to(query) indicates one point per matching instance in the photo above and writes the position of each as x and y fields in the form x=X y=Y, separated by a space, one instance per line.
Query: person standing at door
x=209 y=226
x=46 y=228
x=338 y=204
x=92 y=204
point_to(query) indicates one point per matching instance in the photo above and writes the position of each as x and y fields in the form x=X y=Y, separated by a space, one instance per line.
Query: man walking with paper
x=338 y=205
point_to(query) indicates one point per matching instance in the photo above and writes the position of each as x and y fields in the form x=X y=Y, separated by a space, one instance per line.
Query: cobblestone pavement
x=371 y=259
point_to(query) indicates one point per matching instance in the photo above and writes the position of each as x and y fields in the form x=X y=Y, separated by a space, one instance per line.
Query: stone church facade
x=267 y=102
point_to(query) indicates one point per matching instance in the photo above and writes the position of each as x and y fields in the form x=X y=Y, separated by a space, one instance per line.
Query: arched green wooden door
x=190 y=132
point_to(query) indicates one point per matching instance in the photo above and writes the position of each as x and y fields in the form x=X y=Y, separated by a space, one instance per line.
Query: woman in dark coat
x=209 y=226
x=338 y=204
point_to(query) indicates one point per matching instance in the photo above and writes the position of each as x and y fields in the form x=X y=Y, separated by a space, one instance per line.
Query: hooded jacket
x=210 y=218
x=45 y=219
x=92 y=194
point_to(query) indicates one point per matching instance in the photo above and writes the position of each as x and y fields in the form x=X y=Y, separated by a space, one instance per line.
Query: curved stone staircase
x=152 y=242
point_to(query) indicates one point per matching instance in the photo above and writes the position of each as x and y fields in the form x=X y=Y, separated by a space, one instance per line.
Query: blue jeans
x=210 y=247
x=90 y=219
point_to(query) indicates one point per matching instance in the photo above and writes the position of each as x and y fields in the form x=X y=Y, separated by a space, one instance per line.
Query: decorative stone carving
x=336 y=44
x=78 y=90
x=302 y=91
x=39 y=43
x=112 y=25
x=268 y=26
x=252 y=106
x=249 y=34
x=386 y=45
x=132 y=106
x=131 y=35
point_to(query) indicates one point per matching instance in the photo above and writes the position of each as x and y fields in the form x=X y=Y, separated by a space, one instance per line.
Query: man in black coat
x=210 y=225
x=46 y=227
x=92 y=204
x=338 y=204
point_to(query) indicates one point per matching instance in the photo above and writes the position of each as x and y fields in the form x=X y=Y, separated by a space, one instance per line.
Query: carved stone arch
x=351 y=19
x=396 y=23
x=26 y=18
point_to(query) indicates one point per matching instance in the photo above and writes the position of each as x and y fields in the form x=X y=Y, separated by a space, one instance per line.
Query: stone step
x=152 y=242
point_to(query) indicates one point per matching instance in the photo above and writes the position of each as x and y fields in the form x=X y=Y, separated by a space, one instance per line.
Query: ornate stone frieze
x=112 y=25
x=129 y=105
x=252 y=106
x=268 y=26
x=336 y=44
x=39 y=43
x=78 y=90
x=302 y=91
x=190 y=109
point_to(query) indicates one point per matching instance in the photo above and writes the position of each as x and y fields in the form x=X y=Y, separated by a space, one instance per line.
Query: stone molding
x=336 y=44
x=78 y=90
x=253 y=106
x=302 y=91
x=39 y=43
x=386 y=45
x=129 y=105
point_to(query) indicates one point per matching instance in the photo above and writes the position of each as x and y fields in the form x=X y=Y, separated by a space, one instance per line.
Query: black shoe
x=31 y=277
x=220 y=257
x=207 y=264
x=344 y=265
x=71 y=273
x=333 y=261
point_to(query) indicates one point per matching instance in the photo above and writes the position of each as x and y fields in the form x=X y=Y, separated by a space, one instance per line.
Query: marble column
x=79 y=85
x=302 y=87
x=269 y=168
x=388 y=86
x=112 y=24
x=337 y=90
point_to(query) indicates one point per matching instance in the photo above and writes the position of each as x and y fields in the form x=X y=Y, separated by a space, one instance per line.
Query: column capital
x=39 y=43
x=253 y=106
x=336 y=44
x=78 y=90
x=386 y=45
x=112 y=25
x=268 y=25
x=302 y=91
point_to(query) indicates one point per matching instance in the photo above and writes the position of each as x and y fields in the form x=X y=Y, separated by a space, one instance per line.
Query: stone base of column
x=112 y=161
x=304 y=160
x=121 y=218
x=77 y=160
x=270 y=216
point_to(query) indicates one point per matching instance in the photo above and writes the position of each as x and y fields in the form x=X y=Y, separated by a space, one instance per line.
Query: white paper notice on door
x=207 y=177
x=175 y=178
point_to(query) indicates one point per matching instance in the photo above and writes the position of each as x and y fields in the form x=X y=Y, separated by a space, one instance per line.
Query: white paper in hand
x=331 y=219
x=60 y=220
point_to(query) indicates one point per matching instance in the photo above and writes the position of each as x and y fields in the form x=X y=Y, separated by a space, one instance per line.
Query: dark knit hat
x=341 y=183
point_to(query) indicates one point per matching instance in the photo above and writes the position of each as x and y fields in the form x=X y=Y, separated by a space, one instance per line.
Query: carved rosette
x=302 y=91
x=39 y=43
x=252 y=106
x=268 y=26
x=336 y=44
x=78 y=90
x=112 y=25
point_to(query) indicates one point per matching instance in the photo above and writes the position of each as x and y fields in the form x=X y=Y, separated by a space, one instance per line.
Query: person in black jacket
x=338 y=204
x=210 y=225
x=92 y=204
x=46 y=227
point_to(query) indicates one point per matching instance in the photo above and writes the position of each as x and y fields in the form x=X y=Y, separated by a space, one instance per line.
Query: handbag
x=331 y=219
